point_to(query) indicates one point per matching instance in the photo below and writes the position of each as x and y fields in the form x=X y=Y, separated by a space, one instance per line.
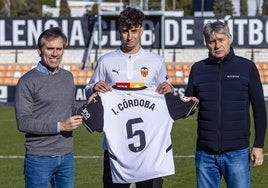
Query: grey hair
x=217 y=27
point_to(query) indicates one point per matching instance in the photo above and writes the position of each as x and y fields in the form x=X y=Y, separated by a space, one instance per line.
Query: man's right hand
x=102 y=87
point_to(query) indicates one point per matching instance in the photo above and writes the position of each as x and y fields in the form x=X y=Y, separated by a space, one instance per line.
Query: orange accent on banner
x=130 y=84
x=136 y=84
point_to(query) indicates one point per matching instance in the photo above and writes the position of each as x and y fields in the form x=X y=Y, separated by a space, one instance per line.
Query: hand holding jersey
x=132 y=132
x=101 y=86
x=162 y=88
x=165 y=88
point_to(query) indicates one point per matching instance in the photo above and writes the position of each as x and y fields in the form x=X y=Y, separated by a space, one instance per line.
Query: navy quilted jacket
x=226 y=90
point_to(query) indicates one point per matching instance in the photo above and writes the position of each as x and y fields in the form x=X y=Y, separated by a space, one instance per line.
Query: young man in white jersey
x=129 y=66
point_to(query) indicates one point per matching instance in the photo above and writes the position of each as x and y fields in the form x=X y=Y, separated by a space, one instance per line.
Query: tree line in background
x=33 y=8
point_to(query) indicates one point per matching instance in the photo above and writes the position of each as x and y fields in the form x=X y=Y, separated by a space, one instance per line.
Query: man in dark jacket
x=226 y=86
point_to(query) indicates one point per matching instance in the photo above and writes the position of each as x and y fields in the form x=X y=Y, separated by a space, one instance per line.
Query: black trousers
x=107 y=178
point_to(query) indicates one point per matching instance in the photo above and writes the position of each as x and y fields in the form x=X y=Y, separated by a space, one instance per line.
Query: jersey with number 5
x=137 y=126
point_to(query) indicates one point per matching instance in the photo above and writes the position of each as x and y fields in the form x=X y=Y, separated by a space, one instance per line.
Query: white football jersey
x=143 y=68
x=137 y=126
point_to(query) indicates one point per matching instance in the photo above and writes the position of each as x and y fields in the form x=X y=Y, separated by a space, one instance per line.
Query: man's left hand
x=257 y=156
x=165 y=88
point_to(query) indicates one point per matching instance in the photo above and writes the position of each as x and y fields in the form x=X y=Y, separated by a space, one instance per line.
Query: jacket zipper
x=219 y=115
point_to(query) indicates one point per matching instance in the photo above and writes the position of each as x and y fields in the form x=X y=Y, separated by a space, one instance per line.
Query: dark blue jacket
x=226 y=89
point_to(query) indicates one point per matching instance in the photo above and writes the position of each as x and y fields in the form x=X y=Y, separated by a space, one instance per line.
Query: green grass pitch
x=88 y=156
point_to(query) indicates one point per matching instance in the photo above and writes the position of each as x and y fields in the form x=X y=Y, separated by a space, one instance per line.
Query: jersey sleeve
x=162 y=77
x=93 y=115
x=179 y=106
x=97 y=76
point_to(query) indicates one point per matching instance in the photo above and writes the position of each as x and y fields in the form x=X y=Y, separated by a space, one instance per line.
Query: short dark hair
x=131 y=17
x=50 y=34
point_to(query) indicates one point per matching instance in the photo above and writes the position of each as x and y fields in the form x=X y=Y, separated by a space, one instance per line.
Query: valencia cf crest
x=144 y=71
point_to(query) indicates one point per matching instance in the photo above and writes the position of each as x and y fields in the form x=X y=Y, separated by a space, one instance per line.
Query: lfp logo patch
x=185 y=99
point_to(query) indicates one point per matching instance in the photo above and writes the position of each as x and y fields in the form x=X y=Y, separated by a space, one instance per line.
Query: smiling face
x=219 y=44
x=131 y=39
x=51 y=53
